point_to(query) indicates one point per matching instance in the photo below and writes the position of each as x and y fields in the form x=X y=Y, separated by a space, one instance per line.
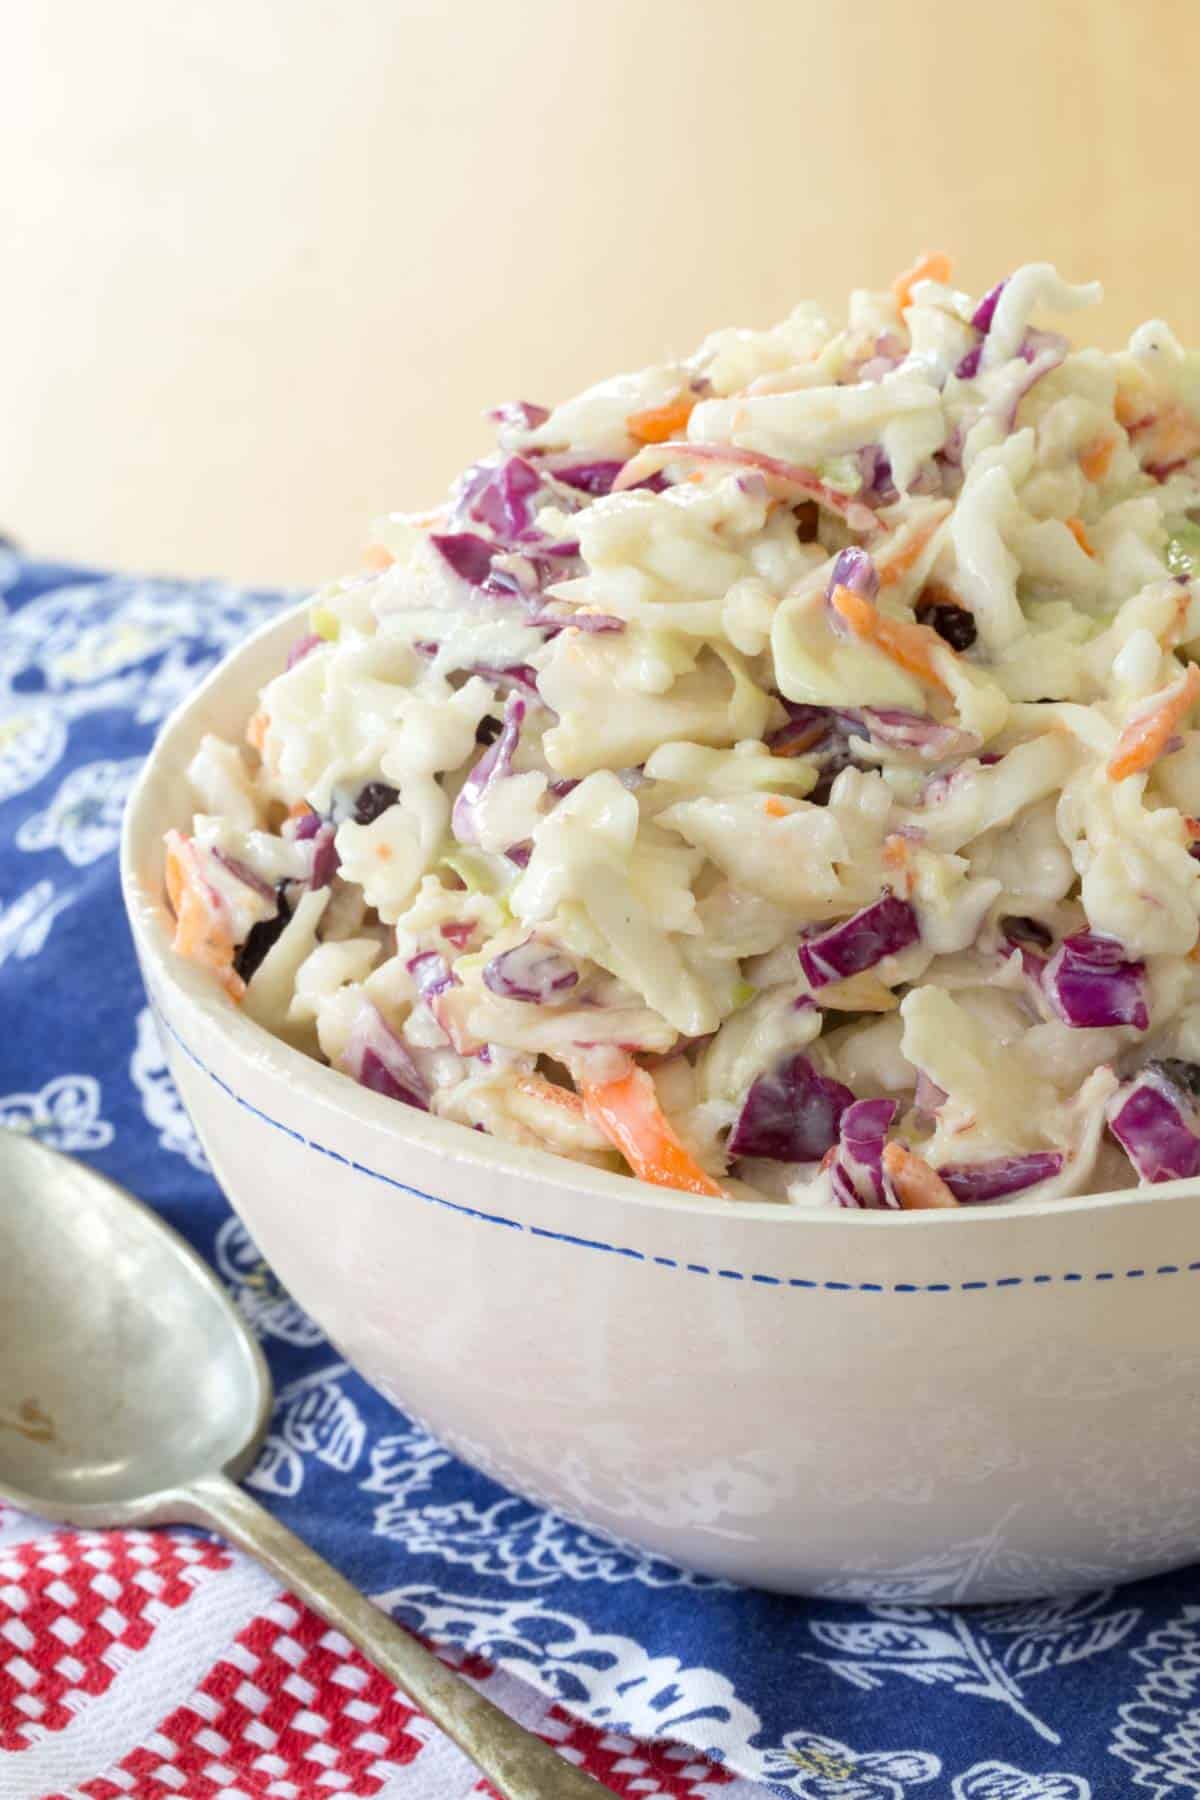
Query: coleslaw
x=773 y=773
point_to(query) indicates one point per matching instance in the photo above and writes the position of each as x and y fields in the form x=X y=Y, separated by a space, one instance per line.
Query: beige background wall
x=263 y=262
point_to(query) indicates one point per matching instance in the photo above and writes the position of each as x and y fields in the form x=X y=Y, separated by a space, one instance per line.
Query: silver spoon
x=131 y=1393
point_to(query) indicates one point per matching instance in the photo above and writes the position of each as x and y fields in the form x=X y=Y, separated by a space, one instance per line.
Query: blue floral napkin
x=1097 y=1695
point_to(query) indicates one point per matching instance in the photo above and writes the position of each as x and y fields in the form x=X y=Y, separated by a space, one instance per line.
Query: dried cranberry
x=1181 y=1074
x=372 y=800
x=952 y=622
x=808 y=518
x=262 y=937
x=1020 y=930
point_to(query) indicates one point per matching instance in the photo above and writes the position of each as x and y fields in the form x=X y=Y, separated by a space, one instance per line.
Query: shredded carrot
x=931 y=265
x=658 y=423
x=1095 y=458
x=774 y=807
x=628 y=1113
x=1144 y=739
x=804 y=739
x=1129 y=408
x=895 y=856
x=1192 y=827
x=256 y=731
x=917 y=1186
x=538 y=1088
x=201 y=934
x=1078 y=531
x=1177 y=436
x=299 y=809
x=901 y=560
x=376 y=557
x=910 y=645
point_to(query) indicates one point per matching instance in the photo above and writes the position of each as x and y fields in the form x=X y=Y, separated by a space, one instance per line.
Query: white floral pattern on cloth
x=988 y=1653
x=1157 y=1731
x=123 y=642
x=65 y=1114
x=1000 y=1781
x=313 y=1417
x=815 y=1767
x=606 y=1677
x=32 y=740
x=267 y=1307
x=658 y=1682
x=26 y=921
x=83 y=820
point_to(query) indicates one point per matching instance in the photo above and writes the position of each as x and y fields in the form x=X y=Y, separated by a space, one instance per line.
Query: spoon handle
x=520 y=1765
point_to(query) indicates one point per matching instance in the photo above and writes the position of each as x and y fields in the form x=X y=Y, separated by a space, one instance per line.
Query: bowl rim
x=252 y=1044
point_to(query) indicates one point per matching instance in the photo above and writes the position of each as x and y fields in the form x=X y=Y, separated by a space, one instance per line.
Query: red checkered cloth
x=154 y=1665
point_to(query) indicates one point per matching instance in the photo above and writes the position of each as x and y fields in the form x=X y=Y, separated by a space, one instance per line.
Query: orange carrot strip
x=917 y=1186
x=774 y=807
x=896 y=856
x=892 y=567
x=931 y=265
x=299 y=809
x=1095 y=458
x=1129 y=408
x=1144 y=739
x=256 y=731
x=538 y=1088
x=376 y=557
x=1078 y=531
x=201 y=934
x=806 y=736
x=1193 y=827
x=909 y=644
x=628 y=1113
x=658 y=423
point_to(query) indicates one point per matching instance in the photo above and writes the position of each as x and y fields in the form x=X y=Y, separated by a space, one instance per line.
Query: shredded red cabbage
x=595 y=478
x=307 y=826
x=854 y=569
x=432 y=973
x=377 y=1059
x=525 y=415
x=900 y=730
x=302 y=646
x=878 y=488
x=532 y=972
x=888 y=925
x=500 y=494
x=985 y=312
x=791 y=1114
x=244 y=873
x=1089 y=981
x=325 y=859
x=856 y=1171
x=1157 y=1125
x=493 y=766
x=469 y=555
x=928 y=1097
x=1000 y=1176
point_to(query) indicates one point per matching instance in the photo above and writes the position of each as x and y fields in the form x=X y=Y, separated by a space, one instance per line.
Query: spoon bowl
x=131 y=1392
x=125 y=1370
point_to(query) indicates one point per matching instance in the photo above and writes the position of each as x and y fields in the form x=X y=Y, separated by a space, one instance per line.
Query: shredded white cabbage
x=810 y=721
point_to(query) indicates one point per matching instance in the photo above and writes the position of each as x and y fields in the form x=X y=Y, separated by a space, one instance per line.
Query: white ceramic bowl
x=939 y=1406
